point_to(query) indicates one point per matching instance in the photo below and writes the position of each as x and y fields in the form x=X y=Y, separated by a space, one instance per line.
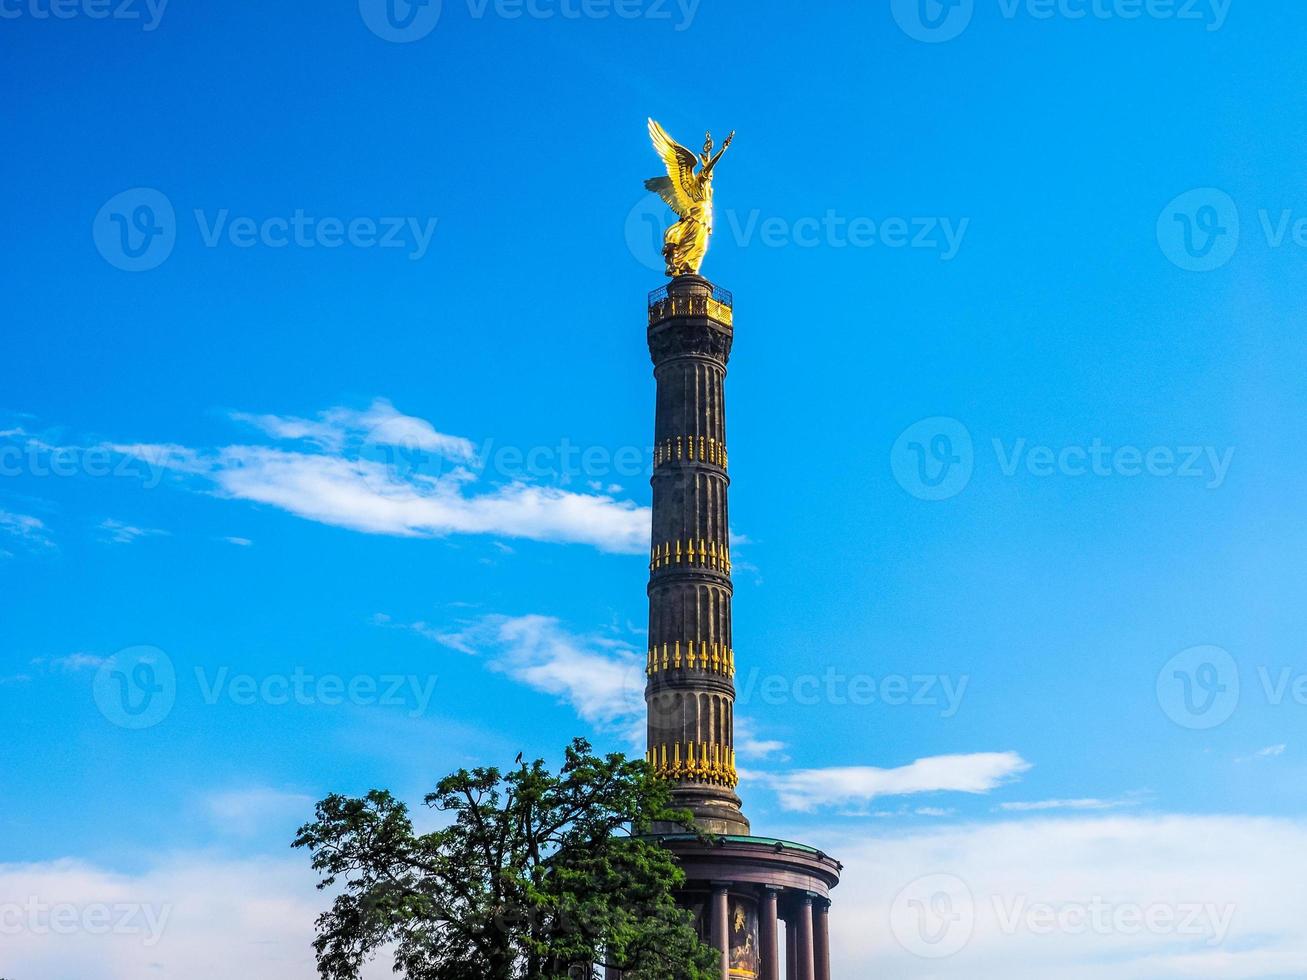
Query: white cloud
x=806 y=790
x=602 y=679
x=1086 y=804
x=1233 y=877
x=116 y=532
x=749 y=745
x=245 y=812
x=252 y=916
x=239 y=542
x=1270 y=752
x=29 y=531
x=366 y=495
x=379 y=471
x=46 y=666
x=77 y=661
x=379 y=425
x=192 y=917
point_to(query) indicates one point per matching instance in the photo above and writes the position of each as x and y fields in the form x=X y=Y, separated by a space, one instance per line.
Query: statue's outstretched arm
x=713 y=162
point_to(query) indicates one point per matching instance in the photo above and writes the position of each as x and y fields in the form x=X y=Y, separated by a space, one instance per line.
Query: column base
x=715 y=812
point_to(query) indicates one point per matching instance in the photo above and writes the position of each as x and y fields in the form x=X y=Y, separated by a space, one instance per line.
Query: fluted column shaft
x=807 y=961
x=691 y=658
x=768 y=927
x=721 y=926
x=792 y=948
x=821 y=944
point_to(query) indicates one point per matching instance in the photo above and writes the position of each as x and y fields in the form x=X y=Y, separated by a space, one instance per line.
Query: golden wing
x=680 y=188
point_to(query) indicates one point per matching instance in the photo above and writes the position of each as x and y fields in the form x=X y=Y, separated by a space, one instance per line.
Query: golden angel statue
x=687 y=193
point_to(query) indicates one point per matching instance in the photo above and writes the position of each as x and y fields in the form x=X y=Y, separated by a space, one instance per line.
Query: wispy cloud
x=239 y=542
x=245 y=812
x=600 y=677
x=1184 y=896
x=1036 y=806
x=806 y=790
x=192 y=915
x=749 y=745
x=74 y=662
x=380 y=424
x=27 y=531
x=1008 y=869
x=1270 y=752
x=379 y=471
x=116 y=532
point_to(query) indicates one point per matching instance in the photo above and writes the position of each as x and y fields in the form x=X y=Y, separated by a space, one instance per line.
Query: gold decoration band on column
x=694 y=449
x=700 y=553
x=702 y=762
x=670 y=306
x=715 y=658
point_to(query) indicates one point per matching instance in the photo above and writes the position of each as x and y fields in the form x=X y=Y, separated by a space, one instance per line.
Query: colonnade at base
x=805 y=938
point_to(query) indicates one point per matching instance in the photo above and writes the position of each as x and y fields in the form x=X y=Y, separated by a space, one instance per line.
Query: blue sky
x=356 y=444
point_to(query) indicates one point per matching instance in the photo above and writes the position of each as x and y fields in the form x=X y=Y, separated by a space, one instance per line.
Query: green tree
x=538 y=875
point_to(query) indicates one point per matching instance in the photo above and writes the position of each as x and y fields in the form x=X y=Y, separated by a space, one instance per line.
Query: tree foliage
x=536 y=875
